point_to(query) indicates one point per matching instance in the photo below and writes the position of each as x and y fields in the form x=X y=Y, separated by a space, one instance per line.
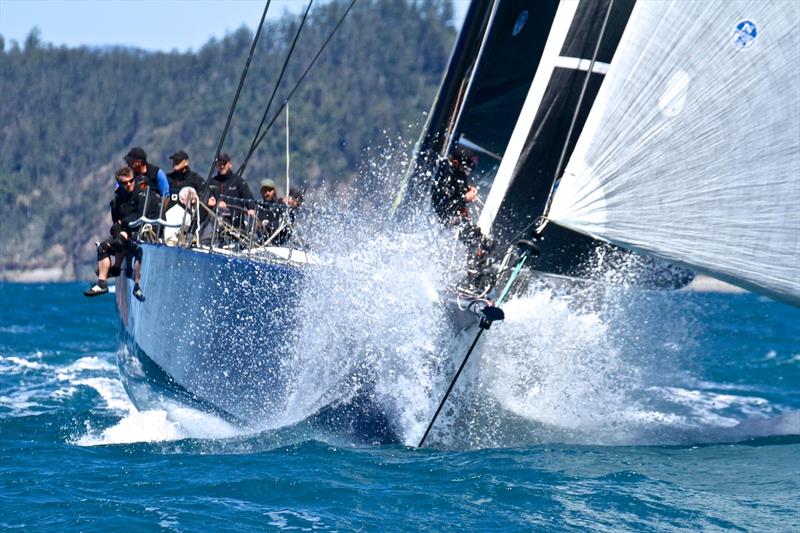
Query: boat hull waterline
x=215 y=333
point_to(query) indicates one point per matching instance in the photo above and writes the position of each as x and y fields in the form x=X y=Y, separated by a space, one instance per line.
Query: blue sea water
x=712 y=443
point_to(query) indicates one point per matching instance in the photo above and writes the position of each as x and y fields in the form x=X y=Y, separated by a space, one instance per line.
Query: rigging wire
x=562 y=157
x=506 y=289
x=221 y=142
x=540 y=222
x=275 y=89
x=299 y=82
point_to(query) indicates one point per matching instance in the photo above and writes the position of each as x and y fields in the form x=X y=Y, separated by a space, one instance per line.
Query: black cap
x=223 y=158
x=135 y=153
x=178 y=156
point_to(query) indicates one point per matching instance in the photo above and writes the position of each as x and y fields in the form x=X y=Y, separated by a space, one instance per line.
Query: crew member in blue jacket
x=148 y=173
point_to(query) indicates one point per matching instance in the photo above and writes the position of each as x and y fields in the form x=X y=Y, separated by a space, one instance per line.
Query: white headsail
x=692 y=150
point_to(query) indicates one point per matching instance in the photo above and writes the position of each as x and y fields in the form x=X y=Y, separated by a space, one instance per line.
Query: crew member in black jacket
x=228 y=189
x=127 y=206
x=182 y=176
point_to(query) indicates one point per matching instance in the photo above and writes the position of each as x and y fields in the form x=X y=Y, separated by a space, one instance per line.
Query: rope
x=450 y=388
x=235 y=99
x=300 y=81
x=500 y=300
x=275 y=90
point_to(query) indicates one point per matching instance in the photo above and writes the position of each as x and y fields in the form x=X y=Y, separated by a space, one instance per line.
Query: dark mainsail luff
x=564 y=106
x=515 y=39
x=484 y=86
x=521 y=99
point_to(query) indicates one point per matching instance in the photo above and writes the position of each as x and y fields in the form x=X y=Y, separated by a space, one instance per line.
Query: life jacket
x=151 y=177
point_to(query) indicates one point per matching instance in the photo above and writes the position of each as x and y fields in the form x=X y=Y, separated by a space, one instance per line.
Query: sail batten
x=691 y=152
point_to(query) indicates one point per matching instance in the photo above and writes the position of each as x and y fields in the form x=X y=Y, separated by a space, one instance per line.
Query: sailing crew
x=227 y=187
x=127 y=206
x=182 y=176
x=269 y=209
x=294 y=200
x=269 y=192
x=147 y=174
x=452 y=193
x=453 y=190
x=291 y=204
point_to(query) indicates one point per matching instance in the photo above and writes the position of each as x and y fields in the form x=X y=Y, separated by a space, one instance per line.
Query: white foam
x=43 y=387
x=110 y=390
x=13 y=364
x=158 y=425
x=90 y=363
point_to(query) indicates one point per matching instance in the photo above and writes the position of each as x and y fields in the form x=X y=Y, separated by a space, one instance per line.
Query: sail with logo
x=691 y=152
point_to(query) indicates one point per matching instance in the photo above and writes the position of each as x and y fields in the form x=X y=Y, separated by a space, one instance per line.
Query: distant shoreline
x=35 y=275
x=701 y=283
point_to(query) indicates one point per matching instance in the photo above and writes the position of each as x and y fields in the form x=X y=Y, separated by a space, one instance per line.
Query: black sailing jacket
x=179 y=180
x=128 y=206
x=232 y=189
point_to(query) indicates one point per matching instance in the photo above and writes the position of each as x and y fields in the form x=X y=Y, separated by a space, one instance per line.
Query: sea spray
x=584 y=364
x=371 y=323
x=598 y=362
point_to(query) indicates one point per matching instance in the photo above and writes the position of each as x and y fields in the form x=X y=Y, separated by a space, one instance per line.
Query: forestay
x=692 y=150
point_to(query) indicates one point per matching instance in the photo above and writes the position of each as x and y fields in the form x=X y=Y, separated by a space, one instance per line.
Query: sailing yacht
x=668 y=130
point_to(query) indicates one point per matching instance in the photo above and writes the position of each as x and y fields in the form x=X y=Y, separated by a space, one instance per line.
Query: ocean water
x=660 y=412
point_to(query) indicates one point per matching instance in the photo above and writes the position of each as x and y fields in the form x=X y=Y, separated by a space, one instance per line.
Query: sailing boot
x=137 y=292
x=101 y=287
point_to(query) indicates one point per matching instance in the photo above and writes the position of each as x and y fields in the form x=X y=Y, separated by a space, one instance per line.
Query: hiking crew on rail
x=144 y=189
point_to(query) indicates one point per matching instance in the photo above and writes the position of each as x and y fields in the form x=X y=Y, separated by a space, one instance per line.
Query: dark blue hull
x=215 y=333
x=212 y=331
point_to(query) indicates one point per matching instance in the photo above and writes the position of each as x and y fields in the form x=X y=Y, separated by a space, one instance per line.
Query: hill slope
x=68 y=115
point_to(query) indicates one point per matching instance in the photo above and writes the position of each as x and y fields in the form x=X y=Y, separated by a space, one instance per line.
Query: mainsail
x=691 y=152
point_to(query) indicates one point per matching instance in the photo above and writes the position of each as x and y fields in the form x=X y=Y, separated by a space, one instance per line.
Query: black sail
x=504 y=49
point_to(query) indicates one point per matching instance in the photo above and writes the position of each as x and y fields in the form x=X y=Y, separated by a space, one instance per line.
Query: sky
x=163 y=25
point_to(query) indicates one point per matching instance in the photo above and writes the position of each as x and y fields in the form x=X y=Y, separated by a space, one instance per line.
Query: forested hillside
x=68 y=115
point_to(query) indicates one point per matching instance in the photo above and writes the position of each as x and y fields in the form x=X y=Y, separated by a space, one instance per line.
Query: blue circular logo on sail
x=745 y=34
x=520 y=23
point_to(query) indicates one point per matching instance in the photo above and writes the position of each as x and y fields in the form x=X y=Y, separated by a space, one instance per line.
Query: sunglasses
x=125 y=183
